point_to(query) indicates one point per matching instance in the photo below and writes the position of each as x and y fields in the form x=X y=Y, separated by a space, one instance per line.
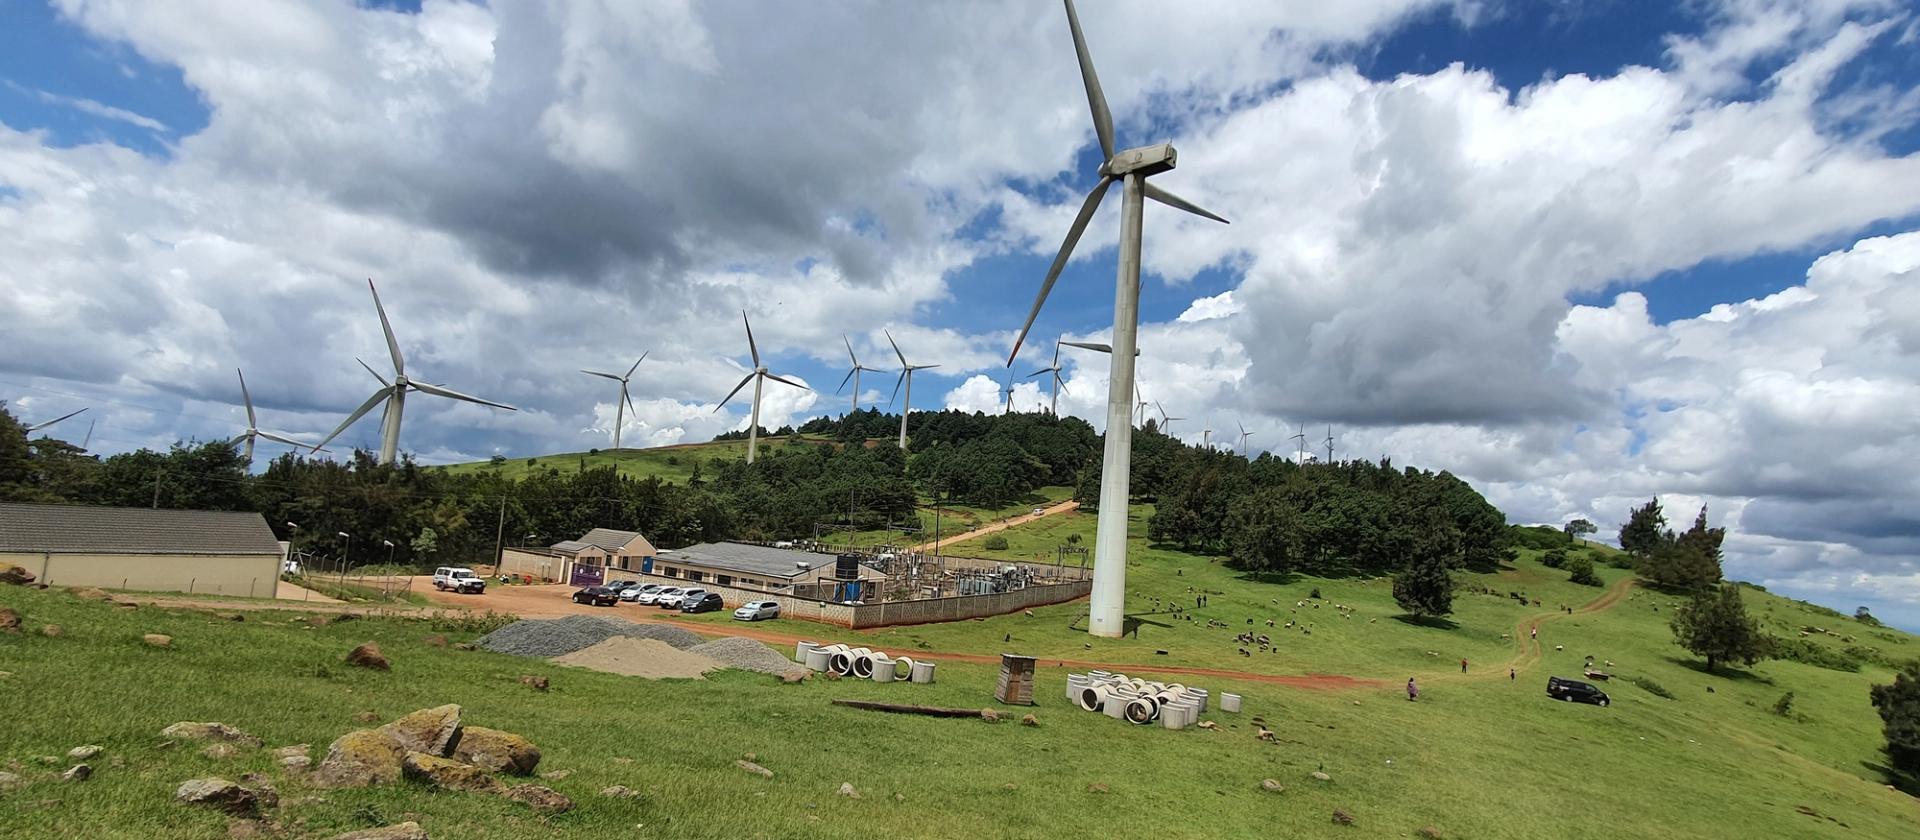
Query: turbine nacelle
x=1145 y=161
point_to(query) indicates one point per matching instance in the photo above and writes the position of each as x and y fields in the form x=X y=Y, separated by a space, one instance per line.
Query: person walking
x=1463 y=665
x=1511 y=676
x=1413 y=691
x=1536 y=633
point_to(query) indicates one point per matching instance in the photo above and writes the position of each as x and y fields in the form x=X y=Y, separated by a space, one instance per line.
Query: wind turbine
x=253 y=427
x=906 y=378
x=854 y=374
x=1132 y=167
x=758 y=375
x=38 y=426
x=1244 y=434
x=1329 y=444
x=625 y=402
x=1206 y=438
x=394 y=393
x=1302 y=437
x=1058 y=384
x=1165 y=421
x=1008 y=390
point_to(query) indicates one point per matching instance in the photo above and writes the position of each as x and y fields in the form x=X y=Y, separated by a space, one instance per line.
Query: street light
x=346 y=557
x=389 y=545
x=293 y=536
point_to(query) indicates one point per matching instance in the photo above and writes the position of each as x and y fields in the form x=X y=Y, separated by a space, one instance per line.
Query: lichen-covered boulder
x=218 y=793
x=501 y=752
x=449 y=774
x=432 y=731
x=361 y=758
x=540 y=798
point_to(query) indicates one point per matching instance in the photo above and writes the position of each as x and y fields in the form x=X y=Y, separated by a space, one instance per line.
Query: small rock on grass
x=77 y=773
x=1428 y=833
x=1322 y=776
x=51 y=631
x=219 y=794
x=556 y=775
x=192 y=731
x=448 y=774
x=292 y=750
x=408 y=830
x=846 y=790
x=540 y=798
x=1029 y=720
x=1272 y=786
x=501 y=752
x=159 y=640
x=360 y=758
x=296 y=763
x=620 y=792
x=1341 y=817
x=82 y=753
x=369 y=656
x=753 y=768
x=1098 y=787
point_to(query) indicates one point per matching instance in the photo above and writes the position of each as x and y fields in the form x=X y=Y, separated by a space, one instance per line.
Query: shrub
x=1315 y=594
x=1806 y=652
x=1581 y=572
x=1652 y=687
x=462 y=621
x=996 y=543
x=1554 y=558
x=1784 y=706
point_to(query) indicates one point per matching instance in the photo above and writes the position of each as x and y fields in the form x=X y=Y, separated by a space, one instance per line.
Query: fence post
x=250 y=585
x=190 y=583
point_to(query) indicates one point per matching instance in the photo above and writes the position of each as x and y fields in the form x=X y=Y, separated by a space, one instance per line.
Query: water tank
x=847 y=567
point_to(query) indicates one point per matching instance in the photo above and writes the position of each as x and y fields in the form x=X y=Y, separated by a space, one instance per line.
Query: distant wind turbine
x=1058 y=384
x=1302 y=437
x=1008 y=390
x=625 y=402
x=1206 y=437
x=854 y=374
x=1165 y=421
x=38 y=426
x=394 y=393
x=1132 y=167
x=1244 y=434
x=1329 y=444
x=906 y=378
x=757 y=375
x=253 y=427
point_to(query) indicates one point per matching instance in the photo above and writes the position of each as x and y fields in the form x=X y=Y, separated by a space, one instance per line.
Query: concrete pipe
x=866 y=663
x=1204 y=697
x=817 y=659
x=1173 y=718
x=1229 y=702
x=1099 y=675
x=1115 y=708
x=841 y=660
x=903 y=668
x=800 y=651
x=1093 y=697
x=923 y=672
x=1075 y=682
x=1141 y=710
x=882 y=668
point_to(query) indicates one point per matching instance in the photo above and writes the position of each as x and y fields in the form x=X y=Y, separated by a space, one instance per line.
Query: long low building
x=220 y=552
x=750 y=566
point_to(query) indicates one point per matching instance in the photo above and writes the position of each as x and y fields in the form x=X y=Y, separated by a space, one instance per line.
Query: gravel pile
x=561 y=636
x=747 y=655
x=640 y=658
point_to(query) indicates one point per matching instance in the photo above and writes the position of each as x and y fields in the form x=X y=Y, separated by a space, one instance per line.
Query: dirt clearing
x=647 y=658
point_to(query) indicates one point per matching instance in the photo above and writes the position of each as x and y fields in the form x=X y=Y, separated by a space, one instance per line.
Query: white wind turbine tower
x=253 y=427
x=1058 y=385
x=906 y=378
x=1206 y=437
x=394 y=393
x=1165 y=421
x=625 y=402
x=38 y=426
x=758 y=375
x=1007 y=389
x=854 y=374
x=1132 y=167
x=1244 y=434
x=1302 y=437
x=1329 y=444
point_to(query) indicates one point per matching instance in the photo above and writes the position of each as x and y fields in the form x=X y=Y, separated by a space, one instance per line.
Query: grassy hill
x=1478 y=756
x=669 y=463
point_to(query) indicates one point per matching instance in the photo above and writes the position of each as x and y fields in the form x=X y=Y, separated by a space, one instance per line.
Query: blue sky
x=1488 y=237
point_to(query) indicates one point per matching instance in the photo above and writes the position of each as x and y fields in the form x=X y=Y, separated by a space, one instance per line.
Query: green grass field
x=1478 y=756
x=668 y=463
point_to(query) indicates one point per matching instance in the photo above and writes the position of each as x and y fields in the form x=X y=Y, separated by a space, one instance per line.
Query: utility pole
x=156 y=487
x=499 y=533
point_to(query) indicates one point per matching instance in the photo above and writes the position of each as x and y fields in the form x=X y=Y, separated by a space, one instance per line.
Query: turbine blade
x=393 y=346
x=629 y=399
x=1059 y=383
x=1089 y=345
x=849 y=343
x=286 y=440
x=451 y=394
x=843 y=382
x=246 y=398
x=1096 y=101
x=53 y=421
x=924 y=367
x=896 y=388
x=1060 y=260
x=378 y=397
x=241 y=438
x=788 y=382
x=751 y=347
x=736 y=389
x=382 y=379
x=1178 y=203
x=896 y=348
x=636 y=366
x=1038 y=372
x=598 y=373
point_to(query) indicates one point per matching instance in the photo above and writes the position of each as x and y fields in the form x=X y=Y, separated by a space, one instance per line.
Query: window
x=723 y=580
x=671 y=572
x=695 y=576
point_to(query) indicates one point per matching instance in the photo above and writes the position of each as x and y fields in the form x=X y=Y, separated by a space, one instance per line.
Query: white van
x=458 y=579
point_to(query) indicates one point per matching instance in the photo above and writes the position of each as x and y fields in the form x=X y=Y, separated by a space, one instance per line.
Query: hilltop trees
x=1579 y=528
x=1714 y=625
x=1685 y=562
x=1424 y=588
x=1644 y=531
x=1899 y=706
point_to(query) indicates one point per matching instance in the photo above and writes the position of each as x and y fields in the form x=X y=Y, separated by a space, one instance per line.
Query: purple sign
x=585 y=575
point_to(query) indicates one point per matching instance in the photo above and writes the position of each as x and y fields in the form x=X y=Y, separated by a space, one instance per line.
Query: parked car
x=1575 y=691
x=458 y=579
x=674 y=601
x=598 y=596
x=652 y=599
x=709 y=602
x=757 y=610
x=633 y=593
x=620 y=587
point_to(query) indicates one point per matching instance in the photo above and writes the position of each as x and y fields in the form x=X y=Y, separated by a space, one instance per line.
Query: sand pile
x=748 y=655
x=648 y=658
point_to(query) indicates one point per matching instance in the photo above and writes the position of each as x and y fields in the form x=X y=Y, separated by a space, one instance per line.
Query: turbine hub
x=1142 y=161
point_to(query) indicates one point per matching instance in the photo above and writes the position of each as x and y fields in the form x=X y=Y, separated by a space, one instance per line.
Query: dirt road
x=289 y=591
x=1002 y=525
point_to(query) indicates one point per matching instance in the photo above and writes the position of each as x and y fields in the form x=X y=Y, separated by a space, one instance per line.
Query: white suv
x=458 y=579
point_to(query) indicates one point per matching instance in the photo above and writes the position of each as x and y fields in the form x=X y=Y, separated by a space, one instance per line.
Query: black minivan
x=1574 y=691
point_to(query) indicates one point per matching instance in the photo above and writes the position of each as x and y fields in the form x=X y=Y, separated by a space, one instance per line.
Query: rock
x=1428 y=833
x=989 y=715
x=159 y=640
x=435 y=640
x=408 y=830
x=537 y=683
x=77 y=773
x=360 y=758
x=1272 y=786
x=48 y=760
x=449 y=774
x=15 y=575
x=751 y=757
x=556 y=775
x=219 y=794
x=369 y=656
x=51 y=631
x=83 y=753
x=1098 y=787
x=1341 y=817
x=546 y=800
x=846 y=790
x=465 y=646
x=620 y=792
x=191 y=731
x=294 y=750
x=432 y=731
x=1322 y=776
x=296 y=763
x=219 y=752
x=1029 y=720
x=753 y=768
x=262 y=788
x=794 y=677
x=501 y=752
x=9 y=781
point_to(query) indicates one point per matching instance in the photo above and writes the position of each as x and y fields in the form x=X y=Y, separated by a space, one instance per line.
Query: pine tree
x=1899 y=706
x=1715 y=625
x=1425 y=587
x=1645 y=530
